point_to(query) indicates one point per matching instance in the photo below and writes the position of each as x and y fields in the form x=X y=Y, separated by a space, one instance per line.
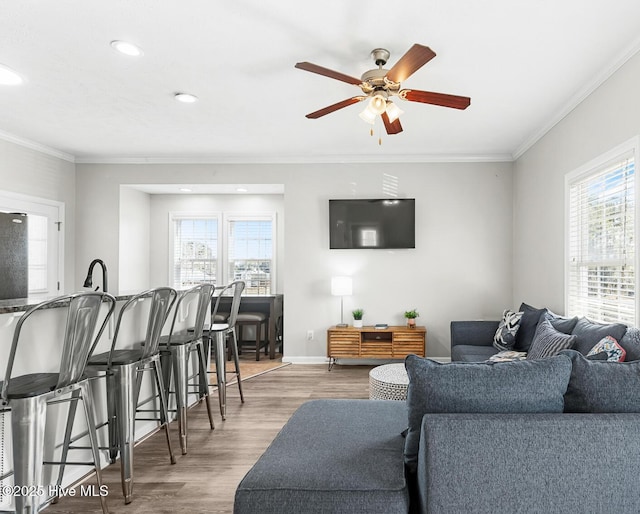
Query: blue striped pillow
x=547 y=341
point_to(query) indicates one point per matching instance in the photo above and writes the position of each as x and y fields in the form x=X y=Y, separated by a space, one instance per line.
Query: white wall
x=135 y=224
x=34 y=173
x=605 y=119
x=461 y=268
x=162 y=205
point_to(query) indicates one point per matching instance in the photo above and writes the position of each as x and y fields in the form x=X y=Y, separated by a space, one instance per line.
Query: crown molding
x=578 y=98
x=32 y=145
x=319 y=159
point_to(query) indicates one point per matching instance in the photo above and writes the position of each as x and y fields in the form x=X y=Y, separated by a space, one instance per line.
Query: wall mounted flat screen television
x=377 y=223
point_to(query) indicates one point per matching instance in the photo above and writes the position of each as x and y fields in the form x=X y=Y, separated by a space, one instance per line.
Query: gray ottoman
x=332 y=456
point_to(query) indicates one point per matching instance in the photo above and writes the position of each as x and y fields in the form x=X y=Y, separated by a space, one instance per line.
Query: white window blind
x=601 y=230
x=250 y=253
x=195 y=251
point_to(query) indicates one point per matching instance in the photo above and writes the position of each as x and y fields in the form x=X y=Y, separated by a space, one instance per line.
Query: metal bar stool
x=124 y=366
x=28 y=395
x=258 y=320
x=178 y=346
x=218 y=332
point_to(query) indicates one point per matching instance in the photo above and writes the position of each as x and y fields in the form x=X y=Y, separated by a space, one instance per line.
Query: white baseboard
x=325 y=360
x=305 y=360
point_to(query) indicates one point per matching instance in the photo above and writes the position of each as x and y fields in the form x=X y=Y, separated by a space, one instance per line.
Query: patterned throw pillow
x=547 y=341
x=608 y=345
x=505 y=337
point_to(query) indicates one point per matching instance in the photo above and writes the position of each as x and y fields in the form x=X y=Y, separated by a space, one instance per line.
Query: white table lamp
x=341 y=286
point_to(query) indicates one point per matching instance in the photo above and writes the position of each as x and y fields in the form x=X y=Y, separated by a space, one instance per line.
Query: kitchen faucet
x=88 y=282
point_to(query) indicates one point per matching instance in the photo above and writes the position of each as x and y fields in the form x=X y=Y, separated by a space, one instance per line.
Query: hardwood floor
x=205 y=480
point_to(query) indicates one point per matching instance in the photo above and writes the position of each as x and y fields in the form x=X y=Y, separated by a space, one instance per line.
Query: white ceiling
x=524 y=64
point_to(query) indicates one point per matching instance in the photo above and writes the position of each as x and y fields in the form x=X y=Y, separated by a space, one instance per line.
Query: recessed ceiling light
x=186 y=98
x=185 y=189
x=8 y=77
x=241 y=189
x=126 y=48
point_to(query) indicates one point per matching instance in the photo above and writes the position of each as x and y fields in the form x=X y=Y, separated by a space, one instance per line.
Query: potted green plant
x=357 y=317
x=411 y=317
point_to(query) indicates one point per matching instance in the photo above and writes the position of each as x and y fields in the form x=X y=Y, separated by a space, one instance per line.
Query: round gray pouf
x=388 y=382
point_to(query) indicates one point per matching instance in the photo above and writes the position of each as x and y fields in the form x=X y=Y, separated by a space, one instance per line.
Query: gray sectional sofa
x=555 y=435
x=472 y=341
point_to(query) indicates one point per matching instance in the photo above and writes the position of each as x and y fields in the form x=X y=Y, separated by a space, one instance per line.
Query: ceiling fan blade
x=427 y=97
x=392 y=128
x=331 y=108
x=314 y=68
x=415 y=58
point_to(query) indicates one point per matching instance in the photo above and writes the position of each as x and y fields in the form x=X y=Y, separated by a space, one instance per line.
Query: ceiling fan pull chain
x=380 y=141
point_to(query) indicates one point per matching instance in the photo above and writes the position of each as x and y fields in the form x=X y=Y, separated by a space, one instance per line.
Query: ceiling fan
x=380 y=85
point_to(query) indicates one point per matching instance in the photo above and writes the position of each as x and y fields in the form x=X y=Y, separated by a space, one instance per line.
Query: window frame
x=250 y=216
x=188 y=215
x=630 y=148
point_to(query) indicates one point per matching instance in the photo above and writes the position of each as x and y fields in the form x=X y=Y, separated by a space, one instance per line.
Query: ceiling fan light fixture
x=393 y=111
x=378 y=103
x=368 y=115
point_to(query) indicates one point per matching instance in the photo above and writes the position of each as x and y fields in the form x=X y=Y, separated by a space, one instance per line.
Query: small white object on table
x=388 y=382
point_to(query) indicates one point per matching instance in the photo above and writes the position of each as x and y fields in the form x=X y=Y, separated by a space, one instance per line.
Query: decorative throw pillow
x=528 y=324
x=589 y=333
x=501 y=387
x=608 y=345
x=601 y=386
x=547 y=341
x=505 y=337
x=564 y=325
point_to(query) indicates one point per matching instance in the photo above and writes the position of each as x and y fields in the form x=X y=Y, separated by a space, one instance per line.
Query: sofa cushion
x=561 y=324
x=631 y=343
x=502 y=387
x=505 y=337
x=528 y=324
x=588 y=333
x=332 y=456
x=548 y=342
x=472 y=352
x=610 y=347
x=602 y=386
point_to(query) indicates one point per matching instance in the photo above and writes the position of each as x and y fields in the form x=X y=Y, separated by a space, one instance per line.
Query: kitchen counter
x=24 y=304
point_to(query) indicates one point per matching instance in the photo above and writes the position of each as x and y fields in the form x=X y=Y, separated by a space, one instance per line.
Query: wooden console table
x=394 y=342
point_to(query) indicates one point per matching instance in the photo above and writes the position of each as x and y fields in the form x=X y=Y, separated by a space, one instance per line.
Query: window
x=195 y=250
x=205 y=252
x=601 y=267
x=250 y=252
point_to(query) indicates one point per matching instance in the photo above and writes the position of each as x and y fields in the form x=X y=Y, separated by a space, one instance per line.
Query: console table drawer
x=380 y=349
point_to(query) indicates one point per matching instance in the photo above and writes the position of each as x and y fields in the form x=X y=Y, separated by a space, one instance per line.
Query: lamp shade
x=393 y=111
x=341 y=286
x=368 y=115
